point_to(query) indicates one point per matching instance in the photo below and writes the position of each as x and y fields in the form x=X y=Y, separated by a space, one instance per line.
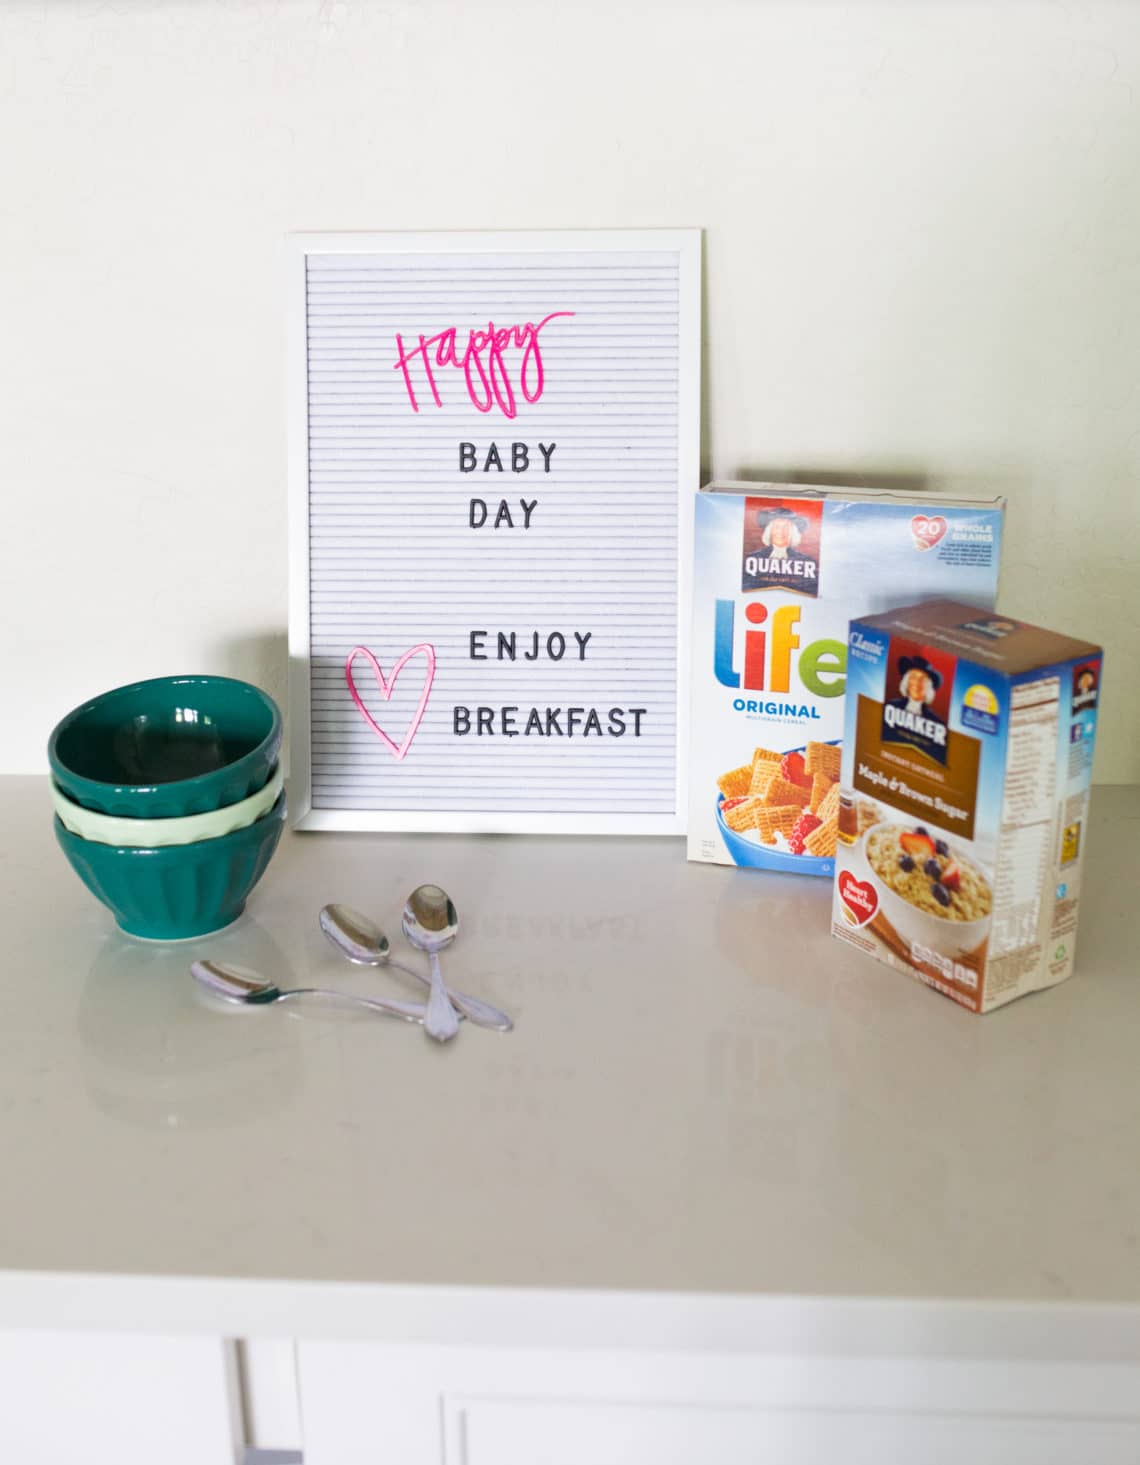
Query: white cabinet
x=125 y=1399
x=366 y=1404
x=138 y=1399
x=268 y=1368
x=513 y=1433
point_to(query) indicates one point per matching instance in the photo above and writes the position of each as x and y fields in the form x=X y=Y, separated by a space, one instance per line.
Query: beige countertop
x=704 y=1092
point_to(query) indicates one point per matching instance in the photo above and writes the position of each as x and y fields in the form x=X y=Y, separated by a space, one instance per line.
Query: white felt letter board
x=493 y=454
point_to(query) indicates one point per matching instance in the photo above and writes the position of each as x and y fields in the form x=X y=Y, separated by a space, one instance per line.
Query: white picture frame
x=686 y=244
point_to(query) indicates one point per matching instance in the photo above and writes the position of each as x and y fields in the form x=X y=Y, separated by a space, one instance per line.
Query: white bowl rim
x=118 y=830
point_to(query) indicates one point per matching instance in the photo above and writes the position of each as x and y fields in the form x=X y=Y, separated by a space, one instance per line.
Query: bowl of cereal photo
x=780 y=810
x=930 y=892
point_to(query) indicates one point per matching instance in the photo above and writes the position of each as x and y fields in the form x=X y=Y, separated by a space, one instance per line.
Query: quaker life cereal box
x=779 y=571
x=963 y=803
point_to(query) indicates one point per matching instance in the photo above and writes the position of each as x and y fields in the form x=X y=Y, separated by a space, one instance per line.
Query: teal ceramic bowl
x=179 y=890
x=167 y=748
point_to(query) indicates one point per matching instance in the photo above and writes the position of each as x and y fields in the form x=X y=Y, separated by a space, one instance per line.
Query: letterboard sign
x=493 y=453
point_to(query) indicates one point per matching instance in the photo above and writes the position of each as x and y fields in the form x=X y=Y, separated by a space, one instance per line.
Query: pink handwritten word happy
x=483 y=362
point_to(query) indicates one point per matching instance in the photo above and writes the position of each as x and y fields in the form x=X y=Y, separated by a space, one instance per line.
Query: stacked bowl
x=169 y=800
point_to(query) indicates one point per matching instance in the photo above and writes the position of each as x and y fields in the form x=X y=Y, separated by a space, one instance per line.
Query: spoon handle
x=483 y=1014
x=441 y=1022
x=409 y=1011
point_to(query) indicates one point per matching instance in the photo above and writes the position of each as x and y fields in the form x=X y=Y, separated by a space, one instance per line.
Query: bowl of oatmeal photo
x=930 y=891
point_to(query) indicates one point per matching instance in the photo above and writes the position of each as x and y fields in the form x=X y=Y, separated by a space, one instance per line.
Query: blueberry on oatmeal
x=949 y=886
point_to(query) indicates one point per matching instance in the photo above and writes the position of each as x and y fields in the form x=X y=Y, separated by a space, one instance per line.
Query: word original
x=483 y=362
x=478 y=512
x=520 y=458
x=776 y=709
x=554 y=646
x=546 y=722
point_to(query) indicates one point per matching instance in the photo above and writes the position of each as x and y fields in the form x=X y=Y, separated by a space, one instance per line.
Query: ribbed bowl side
x=182 y=890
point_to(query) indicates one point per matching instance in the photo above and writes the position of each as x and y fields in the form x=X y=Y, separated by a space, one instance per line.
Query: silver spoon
x=430 y=923
x=363 y=942
x=241 y=984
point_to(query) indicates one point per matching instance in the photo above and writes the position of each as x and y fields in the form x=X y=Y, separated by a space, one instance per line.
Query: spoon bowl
x=249 y=988
x=431 y=924
x=354 y=935
x=430 y=920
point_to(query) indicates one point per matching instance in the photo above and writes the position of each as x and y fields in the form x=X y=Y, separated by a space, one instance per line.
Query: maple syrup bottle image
x=848 y=830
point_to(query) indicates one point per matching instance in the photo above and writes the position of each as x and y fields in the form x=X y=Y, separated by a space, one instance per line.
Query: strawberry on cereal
x=803 y=826
x=793 y=770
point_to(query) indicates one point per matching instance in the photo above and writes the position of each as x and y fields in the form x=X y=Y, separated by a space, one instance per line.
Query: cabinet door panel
x=509 y=1433
x=121 y=1398
x=374 y=1404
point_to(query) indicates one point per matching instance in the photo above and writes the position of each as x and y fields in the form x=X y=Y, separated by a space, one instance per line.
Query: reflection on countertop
x=703 y=1092
x=158 y=1053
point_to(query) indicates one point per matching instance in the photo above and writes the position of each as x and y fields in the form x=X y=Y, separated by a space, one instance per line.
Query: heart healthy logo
x=859 y=897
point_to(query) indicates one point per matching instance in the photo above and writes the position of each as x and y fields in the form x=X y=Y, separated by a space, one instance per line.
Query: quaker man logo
x=1084 y=686
x=910 y=717
x=781 y=546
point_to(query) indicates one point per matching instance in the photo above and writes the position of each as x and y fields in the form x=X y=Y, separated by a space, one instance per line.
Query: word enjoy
x=554 y=644
x=483 y=362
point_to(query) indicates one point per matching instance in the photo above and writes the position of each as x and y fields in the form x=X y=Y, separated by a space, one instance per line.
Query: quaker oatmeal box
x=779 y=571
x=963 y=798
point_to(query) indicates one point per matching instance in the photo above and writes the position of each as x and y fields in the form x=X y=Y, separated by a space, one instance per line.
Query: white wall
x=923 y=264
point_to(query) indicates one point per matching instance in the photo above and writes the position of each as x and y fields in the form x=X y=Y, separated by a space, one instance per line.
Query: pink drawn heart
x=398 y=750
x=927 y=532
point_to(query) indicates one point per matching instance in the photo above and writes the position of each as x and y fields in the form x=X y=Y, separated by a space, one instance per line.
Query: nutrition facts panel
x=1027 y=814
